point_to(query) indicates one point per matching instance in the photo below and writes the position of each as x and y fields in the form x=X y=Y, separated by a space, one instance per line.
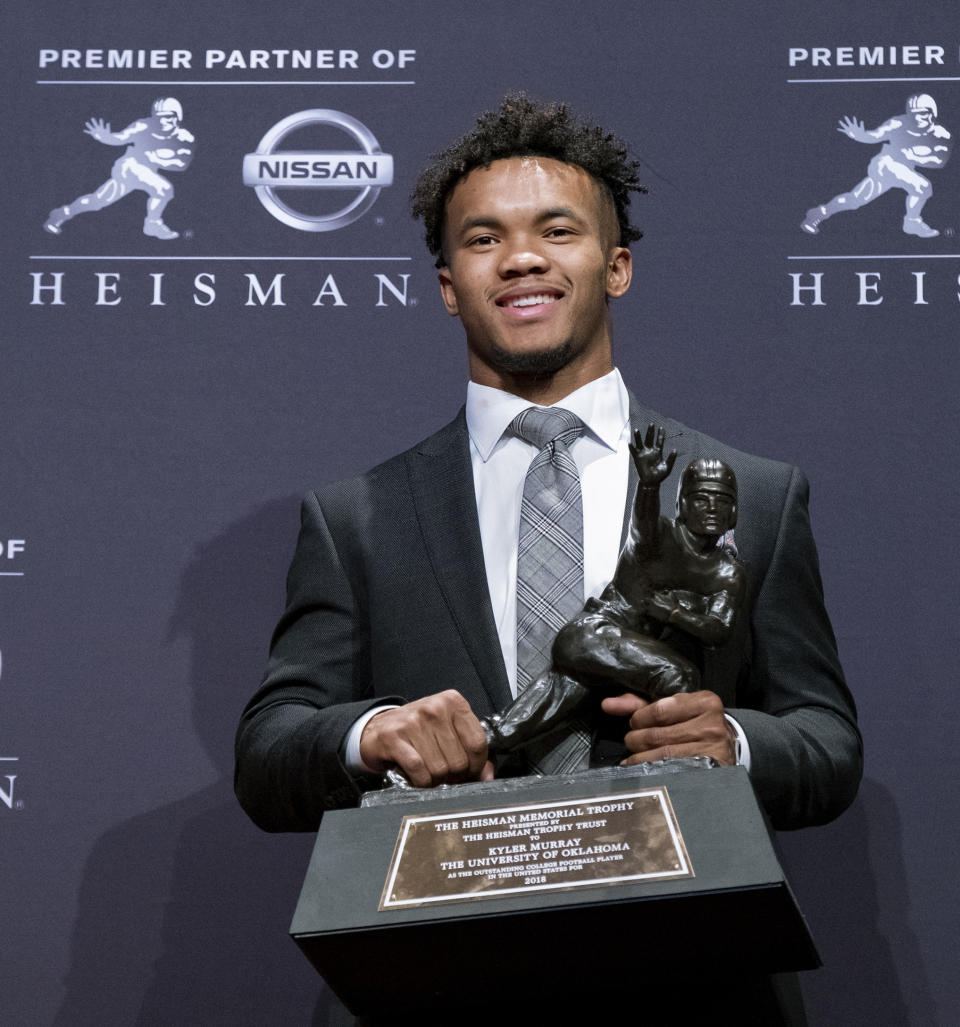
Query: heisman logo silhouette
x=152 y=142
x=910 y=140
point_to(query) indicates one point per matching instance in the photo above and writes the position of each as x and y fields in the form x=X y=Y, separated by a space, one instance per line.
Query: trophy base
x=554 y=893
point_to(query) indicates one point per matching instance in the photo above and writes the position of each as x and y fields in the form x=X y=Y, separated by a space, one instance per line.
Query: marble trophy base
x=543 y=893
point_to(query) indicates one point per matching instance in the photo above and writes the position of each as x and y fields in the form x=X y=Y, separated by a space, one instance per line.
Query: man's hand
x=648 y=458
x=435 y=740
x=688 y=724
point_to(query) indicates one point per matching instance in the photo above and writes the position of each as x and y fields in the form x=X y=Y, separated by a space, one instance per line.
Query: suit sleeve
x=797 y=713
x=288 y=747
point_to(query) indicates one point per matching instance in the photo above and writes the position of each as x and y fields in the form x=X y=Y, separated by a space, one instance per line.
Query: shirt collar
x=603 y=405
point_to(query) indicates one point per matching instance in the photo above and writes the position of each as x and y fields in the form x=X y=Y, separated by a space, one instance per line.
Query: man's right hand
x=434 y=740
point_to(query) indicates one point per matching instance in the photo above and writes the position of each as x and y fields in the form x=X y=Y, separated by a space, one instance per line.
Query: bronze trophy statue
x=676 y=590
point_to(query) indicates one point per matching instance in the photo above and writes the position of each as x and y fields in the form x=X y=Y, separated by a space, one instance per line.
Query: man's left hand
x=688 y=724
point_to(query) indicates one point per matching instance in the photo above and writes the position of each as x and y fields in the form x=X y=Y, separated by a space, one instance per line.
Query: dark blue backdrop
x=153 y=450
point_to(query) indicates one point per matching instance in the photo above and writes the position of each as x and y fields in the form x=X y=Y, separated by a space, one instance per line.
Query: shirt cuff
x=351 y=754
x=741 y=745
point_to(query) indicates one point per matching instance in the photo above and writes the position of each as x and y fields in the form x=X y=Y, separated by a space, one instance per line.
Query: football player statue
x=677 y=589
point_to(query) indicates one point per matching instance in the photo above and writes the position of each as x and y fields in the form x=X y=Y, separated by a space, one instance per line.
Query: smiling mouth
x=535 y=300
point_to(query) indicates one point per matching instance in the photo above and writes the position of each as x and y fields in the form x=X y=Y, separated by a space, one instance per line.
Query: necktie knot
x=542 y=425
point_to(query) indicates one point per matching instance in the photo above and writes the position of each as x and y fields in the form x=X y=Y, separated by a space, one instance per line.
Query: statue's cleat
x=917 y=226
x=490 y=727
x=394 y=777
x=811 y=223
x=156 y=228
x=56 y=219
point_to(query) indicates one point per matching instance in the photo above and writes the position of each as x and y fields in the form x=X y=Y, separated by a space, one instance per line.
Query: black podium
x=574 y=886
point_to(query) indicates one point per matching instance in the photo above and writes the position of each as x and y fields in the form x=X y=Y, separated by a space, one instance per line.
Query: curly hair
x=522 y=127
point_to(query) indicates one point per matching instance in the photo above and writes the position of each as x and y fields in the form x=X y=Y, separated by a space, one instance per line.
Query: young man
x=401 y=627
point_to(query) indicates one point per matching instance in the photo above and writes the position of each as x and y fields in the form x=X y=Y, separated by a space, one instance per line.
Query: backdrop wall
x=167 y=401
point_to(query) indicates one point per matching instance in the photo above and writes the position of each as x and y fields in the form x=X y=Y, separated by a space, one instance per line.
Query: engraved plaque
x=503 y=850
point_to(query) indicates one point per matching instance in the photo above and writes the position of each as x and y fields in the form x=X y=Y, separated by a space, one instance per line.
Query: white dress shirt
x=500 y=463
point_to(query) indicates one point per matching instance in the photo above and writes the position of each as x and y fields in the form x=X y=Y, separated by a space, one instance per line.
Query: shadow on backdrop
x=851 y=883
x=184 y=911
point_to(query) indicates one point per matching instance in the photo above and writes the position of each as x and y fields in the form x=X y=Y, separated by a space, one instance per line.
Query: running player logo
x=910 y=140
x=154 y=142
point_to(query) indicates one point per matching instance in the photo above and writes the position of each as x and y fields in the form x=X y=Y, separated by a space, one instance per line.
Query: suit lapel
x=441 y=482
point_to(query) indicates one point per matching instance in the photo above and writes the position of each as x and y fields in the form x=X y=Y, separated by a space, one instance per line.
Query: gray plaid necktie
x=549 y=568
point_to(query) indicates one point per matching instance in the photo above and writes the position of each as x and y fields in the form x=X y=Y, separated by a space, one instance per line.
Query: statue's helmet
x=922 y=102
x=709 y=472
x=168 y=105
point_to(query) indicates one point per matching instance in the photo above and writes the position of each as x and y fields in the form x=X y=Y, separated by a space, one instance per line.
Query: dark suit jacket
x=387 y=602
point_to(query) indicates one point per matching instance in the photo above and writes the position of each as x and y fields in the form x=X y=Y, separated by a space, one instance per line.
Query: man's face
x=709 y=508
x=168 y=121
x=532 y=257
